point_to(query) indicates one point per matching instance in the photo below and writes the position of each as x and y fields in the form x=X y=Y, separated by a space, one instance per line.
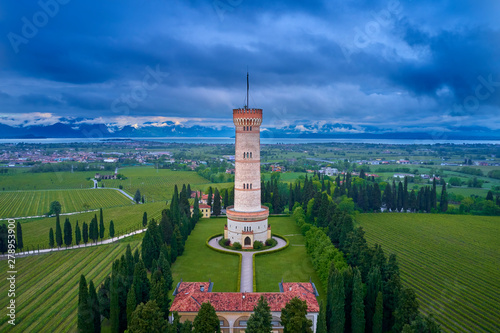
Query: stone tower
x=247 y=219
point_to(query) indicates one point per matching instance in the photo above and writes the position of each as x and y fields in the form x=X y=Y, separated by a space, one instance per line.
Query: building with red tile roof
x=234 y=309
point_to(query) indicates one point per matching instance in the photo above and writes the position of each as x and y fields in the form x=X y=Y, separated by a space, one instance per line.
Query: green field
x=292 y=264
x=36 y=203
x=125 y=219
x=200 y=263
x=26 y=181
x=156 y=184
x=452 y=262
x=47 y=286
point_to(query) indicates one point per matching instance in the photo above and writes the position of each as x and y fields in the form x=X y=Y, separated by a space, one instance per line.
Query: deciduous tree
x=293 y=317
x=206 y=320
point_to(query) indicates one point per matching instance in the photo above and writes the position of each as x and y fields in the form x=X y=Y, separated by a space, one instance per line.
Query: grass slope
x=126 y=218
x=47 y=286
x=35 y=203
x=200 y=263
x=451 y=262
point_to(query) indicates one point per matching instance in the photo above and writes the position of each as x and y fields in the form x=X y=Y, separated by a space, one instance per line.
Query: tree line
x=89 y=232
x=128 y=298
x=364 y=290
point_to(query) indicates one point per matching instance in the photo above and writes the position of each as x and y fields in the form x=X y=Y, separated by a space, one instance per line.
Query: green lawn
x=36 y=203
x=292 y=264
x=47 y=286
x=126 y=218
x=200 y=263
x=452 y=262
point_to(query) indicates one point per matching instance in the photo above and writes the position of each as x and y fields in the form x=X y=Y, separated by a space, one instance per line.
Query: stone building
x=247 y=219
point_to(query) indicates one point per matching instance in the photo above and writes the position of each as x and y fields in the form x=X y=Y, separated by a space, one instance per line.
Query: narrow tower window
x=250 y=186
x=250 y=128
x=250 y=154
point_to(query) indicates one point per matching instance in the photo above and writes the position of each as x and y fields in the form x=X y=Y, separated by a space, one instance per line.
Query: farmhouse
x=204 y=209
x=234 y=309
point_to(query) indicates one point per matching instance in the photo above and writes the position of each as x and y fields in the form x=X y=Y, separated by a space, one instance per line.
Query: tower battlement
x=247 y=117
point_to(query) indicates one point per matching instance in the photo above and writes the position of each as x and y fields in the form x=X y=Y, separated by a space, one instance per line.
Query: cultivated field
x=36 y=203
x=156 y=185
x=125 y=219
x=451 y=261
x=47 y=286
x=26 y=181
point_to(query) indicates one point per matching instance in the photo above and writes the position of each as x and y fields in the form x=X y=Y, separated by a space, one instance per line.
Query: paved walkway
x=246 y=285
x=106 y=241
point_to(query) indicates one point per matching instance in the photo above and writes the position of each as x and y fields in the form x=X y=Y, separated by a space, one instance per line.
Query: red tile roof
x=189 y=298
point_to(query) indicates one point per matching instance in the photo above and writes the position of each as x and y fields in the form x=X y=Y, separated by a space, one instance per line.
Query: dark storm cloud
x=423 y=60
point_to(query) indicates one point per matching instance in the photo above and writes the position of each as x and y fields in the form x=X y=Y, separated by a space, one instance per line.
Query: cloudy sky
x=386 y=65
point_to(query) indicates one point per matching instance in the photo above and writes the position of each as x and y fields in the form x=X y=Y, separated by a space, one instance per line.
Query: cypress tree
x=434 y=194
x=19 y=236
x=94 y=306
x=68 y=233
x=103 y=296
x=131 y=304
x=144 y=219
x=164 y=266
x=348 y=285
x=217 y=204
x=85 y=233
x=101 y=225
x=78 y=234
x=378 y=316
x=337 y=325
x=226 y=198
x=137 y=196
x=374 y=285
x=405 y=195
x=400 y=197
x=260 y=319
x=159 y=293
x=111 y=229
x=444 y=199
x=114 y=306
x=85 y=322
x=209 y=197
x=358 y=307
x=59 y=238
x=141 y=283
x=51 y=237
x=322 y=319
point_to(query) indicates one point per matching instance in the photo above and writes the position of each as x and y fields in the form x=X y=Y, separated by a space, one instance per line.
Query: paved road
x=246 y=285
x=106 y=241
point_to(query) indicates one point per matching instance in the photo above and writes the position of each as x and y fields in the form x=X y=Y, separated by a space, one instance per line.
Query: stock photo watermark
x=31 y=26
x=11 y=270
x=222 y=7
x=370 y=32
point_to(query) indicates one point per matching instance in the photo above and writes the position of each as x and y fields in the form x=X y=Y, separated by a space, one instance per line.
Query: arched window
x=250 y=154
x=250 y=186
x=250 y=128
x=244 y=186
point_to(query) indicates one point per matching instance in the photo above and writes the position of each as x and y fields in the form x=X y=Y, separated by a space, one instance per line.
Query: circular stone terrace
x=246 y=283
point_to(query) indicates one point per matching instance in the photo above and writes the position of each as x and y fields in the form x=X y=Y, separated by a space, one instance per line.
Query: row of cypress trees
x=92 y=231
x=4 y=241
